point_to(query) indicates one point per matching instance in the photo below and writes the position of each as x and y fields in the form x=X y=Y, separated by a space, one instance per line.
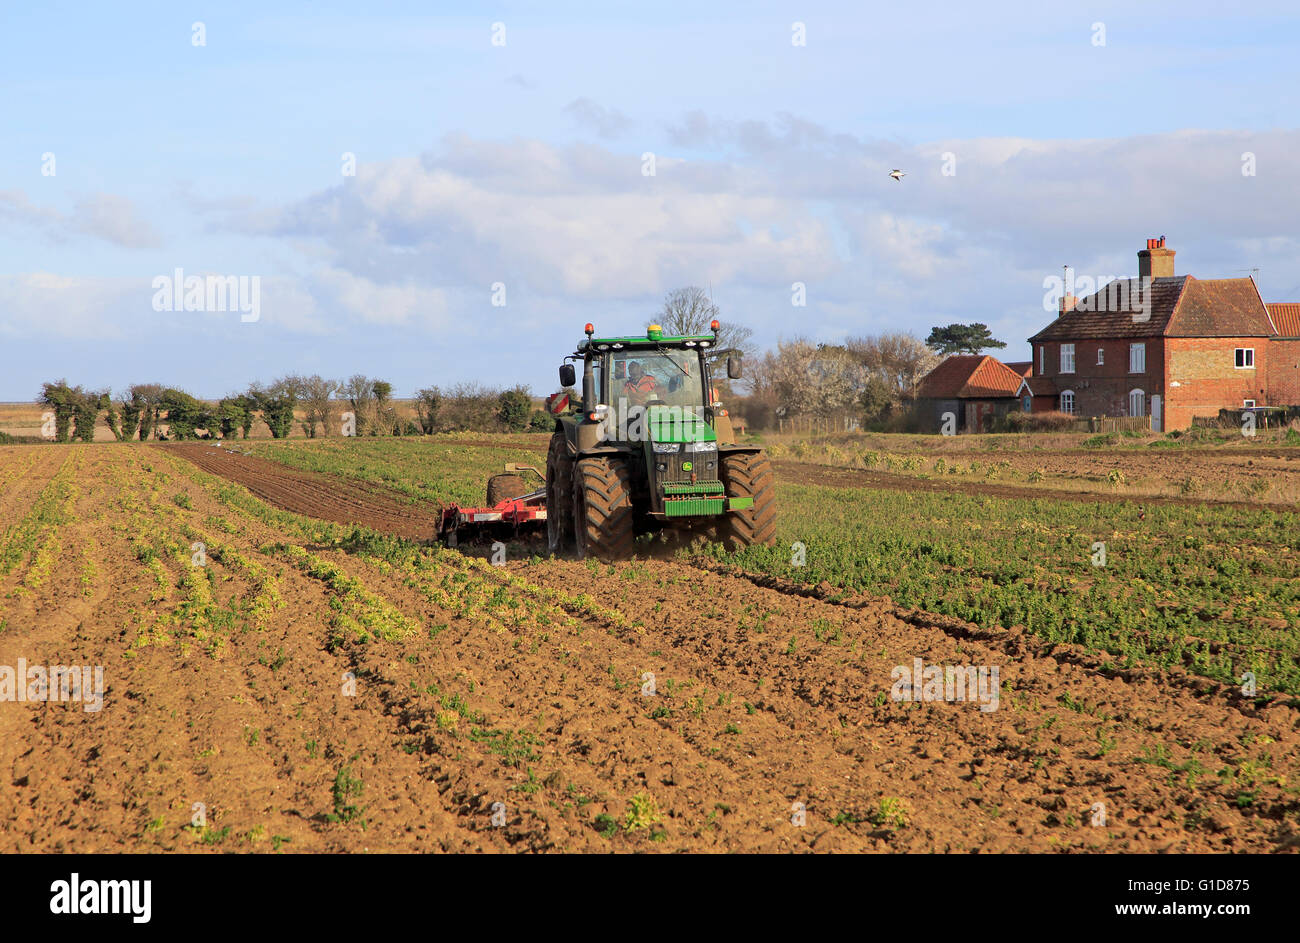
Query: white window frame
x=1244 y=354
x=1140 y=350
x=1247 y=404
x=1101 y=356
x=1073 y=402
x=1142 y=402
x=1042 y=359
x=1067 y=348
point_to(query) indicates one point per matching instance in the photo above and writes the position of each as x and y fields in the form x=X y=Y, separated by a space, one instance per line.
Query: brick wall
x=1103 y=389
x=1208 y=379
x=1283 y=373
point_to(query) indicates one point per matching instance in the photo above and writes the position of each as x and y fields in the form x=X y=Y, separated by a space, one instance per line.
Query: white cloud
x=407 y=239
x=606 y=122
x=105 y=216
x=43 y=305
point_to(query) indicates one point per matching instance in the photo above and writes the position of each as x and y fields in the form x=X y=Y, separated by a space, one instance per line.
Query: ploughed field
x=283 y=645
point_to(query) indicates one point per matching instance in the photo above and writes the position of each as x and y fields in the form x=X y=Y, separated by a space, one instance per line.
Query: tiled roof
x=1041 y=386
x=1220 y=307
x=969 y=376
x=1286 y=318
x=1022 y=367
x=1179 y=307
x=1087 y=320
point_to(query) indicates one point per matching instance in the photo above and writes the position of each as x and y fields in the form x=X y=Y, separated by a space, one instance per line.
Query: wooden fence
x=1119 y=424
x=819 y=425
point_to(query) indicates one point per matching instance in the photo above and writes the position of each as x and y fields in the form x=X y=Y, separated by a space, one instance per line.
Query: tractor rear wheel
x=602 y=508
x=748 y=475
x=504 y=487
x=559 y=495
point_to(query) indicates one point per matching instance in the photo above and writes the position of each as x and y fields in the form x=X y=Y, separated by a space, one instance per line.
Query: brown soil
x=313 y=494
x=524 y=686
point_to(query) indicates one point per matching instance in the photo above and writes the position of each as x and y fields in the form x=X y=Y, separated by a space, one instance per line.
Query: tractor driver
x=640 y=386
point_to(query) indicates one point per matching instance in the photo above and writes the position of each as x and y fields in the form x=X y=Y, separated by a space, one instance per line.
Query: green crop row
x=1213 y=588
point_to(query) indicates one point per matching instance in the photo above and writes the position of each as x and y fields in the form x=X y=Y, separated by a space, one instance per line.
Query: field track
x=772 y=694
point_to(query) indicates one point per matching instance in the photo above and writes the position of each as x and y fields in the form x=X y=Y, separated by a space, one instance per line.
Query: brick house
x=1165 y=346
x=1283 y=366
x=974 y=388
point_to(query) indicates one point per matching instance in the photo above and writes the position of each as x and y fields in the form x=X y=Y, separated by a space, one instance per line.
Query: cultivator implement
x=511 y=510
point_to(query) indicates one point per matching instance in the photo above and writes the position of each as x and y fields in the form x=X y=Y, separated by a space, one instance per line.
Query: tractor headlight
x=704 y=446
x=666 y=446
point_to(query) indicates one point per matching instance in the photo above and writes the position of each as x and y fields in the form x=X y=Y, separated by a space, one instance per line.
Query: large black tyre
x=602 y=508
x=559 y=495
x=748 y=475
x=504 y=487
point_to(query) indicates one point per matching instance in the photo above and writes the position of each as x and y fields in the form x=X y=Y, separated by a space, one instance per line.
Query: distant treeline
x=360 y=406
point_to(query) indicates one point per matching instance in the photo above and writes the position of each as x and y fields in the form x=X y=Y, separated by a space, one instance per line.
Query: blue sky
x=522 y=164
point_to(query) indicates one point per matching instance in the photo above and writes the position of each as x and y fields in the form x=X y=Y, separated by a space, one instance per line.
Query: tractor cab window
x=658 y=377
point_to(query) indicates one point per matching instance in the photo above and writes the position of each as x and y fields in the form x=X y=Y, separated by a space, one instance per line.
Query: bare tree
x=689 y=311
x=900 y=360
x=359 y=390
x=317 y=397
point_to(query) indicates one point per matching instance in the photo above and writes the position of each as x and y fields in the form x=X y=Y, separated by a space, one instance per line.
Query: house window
x=1245 y=358
x=1101 y=356
x=1137 y=359
x=1067 y=401
x=1067 y=358
x=1137 y=403
x=1042 y=359
x=1247 y=404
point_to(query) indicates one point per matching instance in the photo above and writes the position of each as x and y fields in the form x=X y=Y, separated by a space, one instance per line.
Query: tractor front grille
x=685 y=499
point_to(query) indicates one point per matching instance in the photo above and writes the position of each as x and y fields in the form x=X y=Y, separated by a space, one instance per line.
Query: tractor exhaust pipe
x=588 y=388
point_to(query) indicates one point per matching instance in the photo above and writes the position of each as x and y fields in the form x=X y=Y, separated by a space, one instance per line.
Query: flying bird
x=897 y=175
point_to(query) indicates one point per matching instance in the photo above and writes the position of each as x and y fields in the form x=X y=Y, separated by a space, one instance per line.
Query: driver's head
x=635 y=370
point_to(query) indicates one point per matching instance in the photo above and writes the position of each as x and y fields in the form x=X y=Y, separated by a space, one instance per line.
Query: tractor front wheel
x=559 y=495
x=602 y=508
x=748 y=475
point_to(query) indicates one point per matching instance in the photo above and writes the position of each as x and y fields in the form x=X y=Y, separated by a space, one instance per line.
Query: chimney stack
x=1155 y=261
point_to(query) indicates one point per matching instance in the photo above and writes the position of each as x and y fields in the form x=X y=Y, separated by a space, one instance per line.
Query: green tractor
x=651 y=448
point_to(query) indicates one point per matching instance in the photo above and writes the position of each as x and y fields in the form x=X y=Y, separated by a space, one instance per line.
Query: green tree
x=86 y=414
x=427 y=402
x=962 y=339
x=184 y=414
x=541 y=421
x=233 y=412
x=275 y=403
x=63 y=400
x=514 y=409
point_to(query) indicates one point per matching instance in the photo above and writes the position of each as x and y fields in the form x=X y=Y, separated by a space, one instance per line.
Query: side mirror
x=567 y=375
x=734 y=368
